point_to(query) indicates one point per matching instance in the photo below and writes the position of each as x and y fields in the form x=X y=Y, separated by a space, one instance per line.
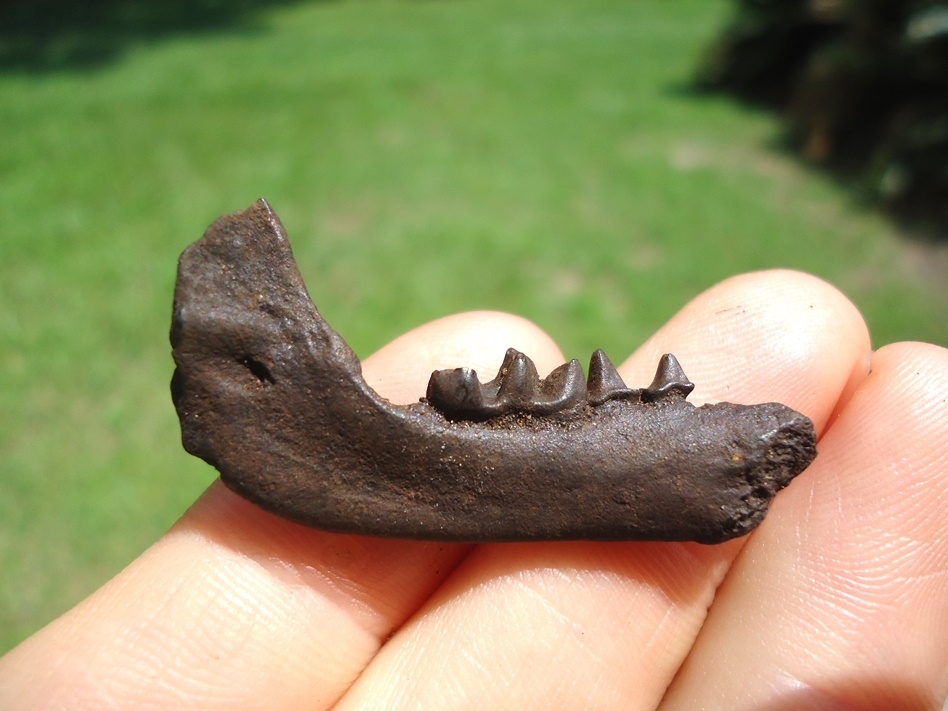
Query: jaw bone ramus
x=269 y=394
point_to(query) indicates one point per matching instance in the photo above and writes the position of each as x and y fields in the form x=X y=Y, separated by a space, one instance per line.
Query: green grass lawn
x=544 y=158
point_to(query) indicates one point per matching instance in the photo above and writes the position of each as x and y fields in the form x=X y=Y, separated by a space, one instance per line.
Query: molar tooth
x=492 y=387
x=670 y=381
x=520 y=381
x=562 y=389
x=455 y=392
x=604 y=380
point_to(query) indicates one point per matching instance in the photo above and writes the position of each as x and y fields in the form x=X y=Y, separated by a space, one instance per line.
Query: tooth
x=604 y=381
x=670 y=381
x=520 y=382
x=492 y=387
x=455 y=392
x=562 y=388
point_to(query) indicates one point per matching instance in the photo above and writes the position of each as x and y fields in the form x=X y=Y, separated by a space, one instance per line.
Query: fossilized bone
x=269 y=394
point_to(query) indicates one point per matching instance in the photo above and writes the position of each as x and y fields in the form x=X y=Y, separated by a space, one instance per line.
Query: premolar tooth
x=563 y=388
x=604 y=381
x=670 y=381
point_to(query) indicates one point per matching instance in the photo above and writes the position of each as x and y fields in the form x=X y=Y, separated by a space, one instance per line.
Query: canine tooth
x=670 y=380
x=604 y=381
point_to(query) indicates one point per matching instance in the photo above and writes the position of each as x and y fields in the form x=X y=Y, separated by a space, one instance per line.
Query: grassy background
x=544 y=158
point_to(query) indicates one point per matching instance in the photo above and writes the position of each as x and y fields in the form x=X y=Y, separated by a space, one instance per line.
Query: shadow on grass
x=922 y=216
x=40 y=36
x=861 y=88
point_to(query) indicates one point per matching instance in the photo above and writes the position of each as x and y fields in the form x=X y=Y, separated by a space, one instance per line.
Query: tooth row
x=518 y=388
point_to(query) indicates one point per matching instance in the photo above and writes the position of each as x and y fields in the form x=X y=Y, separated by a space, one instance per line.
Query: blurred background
x=589 y=165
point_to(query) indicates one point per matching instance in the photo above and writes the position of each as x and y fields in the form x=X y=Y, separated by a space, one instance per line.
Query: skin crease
x=838 y=601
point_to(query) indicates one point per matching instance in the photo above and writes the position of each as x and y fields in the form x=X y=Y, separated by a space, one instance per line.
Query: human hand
x=839 y=600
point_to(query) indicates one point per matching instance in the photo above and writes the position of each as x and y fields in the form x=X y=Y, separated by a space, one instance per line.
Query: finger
x=841 y=600
x=583 y=625
x=235 y=608
x=744 y=344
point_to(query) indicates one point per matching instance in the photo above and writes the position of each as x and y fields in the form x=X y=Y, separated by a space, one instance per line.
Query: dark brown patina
x=269 y=394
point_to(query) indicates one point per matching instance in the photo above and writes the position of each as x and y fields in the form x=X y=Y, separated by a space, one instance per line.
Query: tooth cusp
x=562 y=389
x=519 y=381
x=604 y=382
x=670 y=382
